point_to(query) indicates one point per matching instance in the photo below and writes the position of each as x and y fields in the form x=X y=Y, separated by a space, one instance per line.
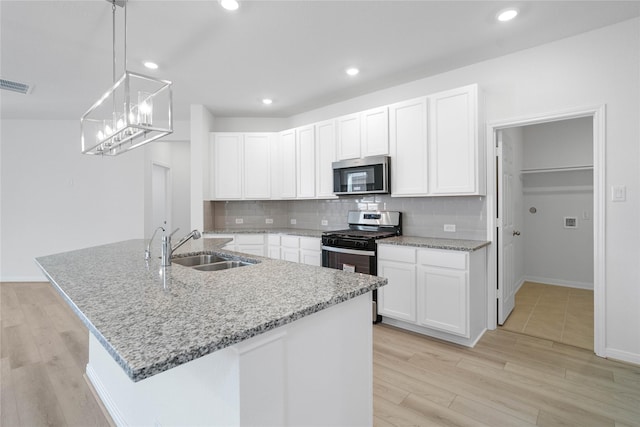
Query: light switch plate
x=294 y=222
x=239 y=221
x=324 y=222
x=268 y=221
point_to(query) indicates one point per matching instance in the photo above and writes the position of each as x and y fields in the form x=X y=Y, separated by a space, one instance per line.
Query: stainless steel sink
x=210 y=262
x=195 y=260
x=221 y=265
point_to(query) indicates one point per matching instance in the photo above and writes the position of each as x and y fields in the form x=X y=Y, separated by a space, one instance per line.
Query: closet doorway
x=547 y=230
x=547 y=234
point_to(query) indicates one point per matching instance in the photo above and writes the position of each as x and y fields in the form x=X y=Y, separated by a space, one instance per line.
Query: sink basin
x=223 y=265
x=210 y=262
x=195 y=260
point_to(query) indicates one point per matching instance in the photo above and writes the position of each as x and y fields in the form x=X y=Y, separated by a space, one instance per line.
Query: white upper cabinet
x=348 y=136
x=374 y=133
x=454 y=152
x=226 y=160
x=240 y=165
x=325 y=156
x=306 y=162
x=256 y=164
x=408 y=147
x=287 y=165
x=363 y=134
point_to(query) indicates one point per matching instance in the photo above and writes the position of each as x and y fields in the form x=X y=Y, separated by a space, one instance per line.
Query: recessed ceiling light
x=507 y=15
x=267 y=101
x=230 y=4
x=151 y=65
x=352 y=71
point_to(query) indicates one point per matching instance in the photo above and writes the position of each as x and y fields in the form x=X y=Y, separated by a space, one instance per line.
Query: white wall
x=55 y=199
x=565 y=143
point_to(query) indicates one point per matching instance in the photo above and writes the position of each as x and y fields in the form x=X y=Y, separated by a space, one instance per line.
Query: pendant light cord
x=113 y=32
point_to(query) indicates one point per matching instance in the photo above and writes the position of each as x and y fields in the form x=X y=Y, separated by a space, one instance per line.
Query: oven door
x=352 y=260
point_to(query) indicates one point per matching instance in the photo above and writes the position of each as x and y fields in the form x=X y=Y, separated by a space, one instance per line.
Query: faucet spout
x=168 y=250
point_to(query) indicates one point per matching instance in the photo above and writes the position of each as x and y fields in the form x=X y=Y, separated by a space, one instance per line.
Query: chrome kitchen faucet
x=167 y=250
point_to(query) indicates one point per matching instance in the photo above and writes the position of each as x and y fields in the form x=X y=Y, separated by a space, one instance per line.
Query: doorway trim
x=597 y=113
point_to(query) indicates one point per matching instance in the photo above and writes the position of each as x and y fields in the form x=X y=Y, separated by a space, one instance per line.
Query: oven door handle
x=348 y=251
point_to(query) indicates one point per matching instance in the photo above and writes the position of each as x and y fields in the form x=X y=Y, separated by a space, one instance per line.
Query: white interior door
x=507 y=280
x=161 y=196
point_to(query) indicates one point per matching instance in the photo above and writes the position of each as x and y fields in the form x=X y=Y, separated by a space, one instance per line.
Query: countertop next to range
x=151 y=319
x=414 y=241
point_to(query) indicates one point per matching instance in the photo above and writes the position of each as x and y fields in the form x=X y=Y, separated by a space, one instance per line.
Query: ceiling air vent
x=23 y=88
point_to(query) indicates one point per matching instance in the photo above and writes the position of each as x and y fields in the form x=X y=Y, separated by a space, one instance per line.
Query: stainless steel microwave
x=369 y=175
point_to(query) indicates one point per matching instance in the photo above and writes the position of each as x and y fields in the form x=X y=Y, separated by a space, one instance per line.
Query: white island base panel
x=314 y=371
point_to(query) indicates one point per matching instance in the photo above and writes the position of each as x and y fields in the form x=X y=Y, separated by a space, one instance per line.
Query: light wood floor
x=508 y=379
x=556 y=313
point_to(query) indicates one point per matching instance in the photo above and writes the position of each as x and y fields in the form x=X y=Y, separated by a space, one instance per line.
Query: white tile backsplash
x=421 y=216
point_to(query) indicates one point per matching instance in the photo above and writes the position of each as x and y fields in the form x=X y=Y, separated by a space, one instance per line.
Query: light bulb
x=507 y=15
x=353 y=71
x=229 y=4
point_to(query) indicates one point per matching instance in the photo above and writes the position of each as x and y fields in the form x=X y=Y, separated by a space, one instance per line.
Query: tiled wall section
x=423 y=217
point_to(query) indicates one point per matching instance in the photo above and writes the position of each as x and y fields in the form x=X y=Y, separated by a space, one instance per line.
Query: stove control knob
x=333 y=241
x=361 y=244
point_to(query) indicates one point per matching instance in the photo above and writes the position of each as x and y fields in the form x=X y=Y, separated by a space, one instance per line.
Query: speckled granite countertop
x=291 y=231
x=434 y=243
x=152 y=319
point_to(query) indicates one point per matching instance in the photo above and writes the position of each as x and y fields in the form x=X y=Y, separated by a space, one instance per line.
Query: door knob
x=516 y=233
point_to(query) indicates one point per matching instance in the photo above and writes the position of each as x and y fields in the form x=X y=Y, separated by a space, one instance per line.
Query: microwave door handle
x=348 y=251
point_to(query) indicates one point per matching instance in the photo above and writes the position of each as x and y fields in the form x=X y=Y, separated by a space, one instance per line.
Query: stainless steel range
x=354 y=249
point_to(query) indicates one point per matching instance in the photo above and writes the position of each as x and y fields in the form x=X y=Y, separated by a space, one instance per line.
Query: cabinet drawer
x=310 y=243
x=397 y=253
x=446 y=259
x=289 y=241
x=273 y=239
x=250 y=239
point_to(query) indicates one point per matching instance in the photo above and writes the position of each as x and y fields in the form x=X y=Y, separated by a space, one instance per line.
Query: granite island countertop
x=435 y=243
x=151 y=319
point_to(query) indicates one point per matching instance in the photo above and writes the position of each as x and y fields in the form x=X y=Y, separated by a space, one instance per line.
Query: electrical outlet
x=294 y=222
x=268 y=221
x=450 y=228
x=239 y=221
x=618 y=193
x=324 y=222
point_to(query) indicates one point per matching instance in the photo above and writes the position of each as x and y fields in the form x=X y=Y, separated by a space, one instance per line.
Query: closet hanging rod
x=563 y=169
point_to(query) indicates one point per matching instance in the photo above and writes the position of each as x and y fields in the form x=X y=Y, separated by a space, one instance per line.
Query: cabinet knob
x=516 y=233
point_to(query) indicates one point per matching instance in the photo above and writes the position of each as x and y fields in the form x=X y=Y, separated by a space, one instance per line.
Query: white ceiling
x=292 y=51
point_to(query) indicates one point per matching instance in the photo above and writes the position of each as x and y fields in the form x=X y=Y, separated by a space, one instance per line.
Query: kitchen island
x=273 y=343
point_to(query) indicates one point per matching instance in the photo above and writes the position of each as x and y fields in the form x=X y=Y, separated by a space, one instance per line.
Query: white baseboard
x=623 y=356
x=558 y=282
x=108 y=403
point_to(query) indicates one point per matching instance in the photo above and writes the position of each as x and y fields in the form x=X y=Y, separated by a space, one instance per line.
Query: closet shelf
x=564 y=169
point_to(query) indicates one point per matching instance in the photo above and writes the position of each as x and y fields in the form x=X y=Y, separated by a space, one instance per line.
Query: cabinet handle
x=516 y=233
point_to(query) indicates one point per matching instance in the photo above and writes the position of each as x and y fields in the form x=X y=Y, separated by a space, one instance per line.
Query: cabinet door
x=227 y=165
x=306 y=162
x=288 y=164
x=257 y=175
x=408 y=147
x=310 y=257
x=442 y=299
x=398 y=298
x=273 y=252
x=325 y=155
x=375 y=132
x=349 y=137
x=453 y=142
x=289 y=254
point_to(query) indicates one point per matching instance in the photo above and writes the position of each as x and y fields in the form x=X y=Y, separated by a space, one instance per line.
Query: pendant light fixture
x=136 y=110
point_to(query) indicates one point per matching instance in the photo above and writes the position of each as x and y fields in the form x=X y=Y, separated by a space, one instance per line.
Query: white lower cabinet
x=252 y=244
x=440 y=293
x=310 y=251
x=273 y=246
